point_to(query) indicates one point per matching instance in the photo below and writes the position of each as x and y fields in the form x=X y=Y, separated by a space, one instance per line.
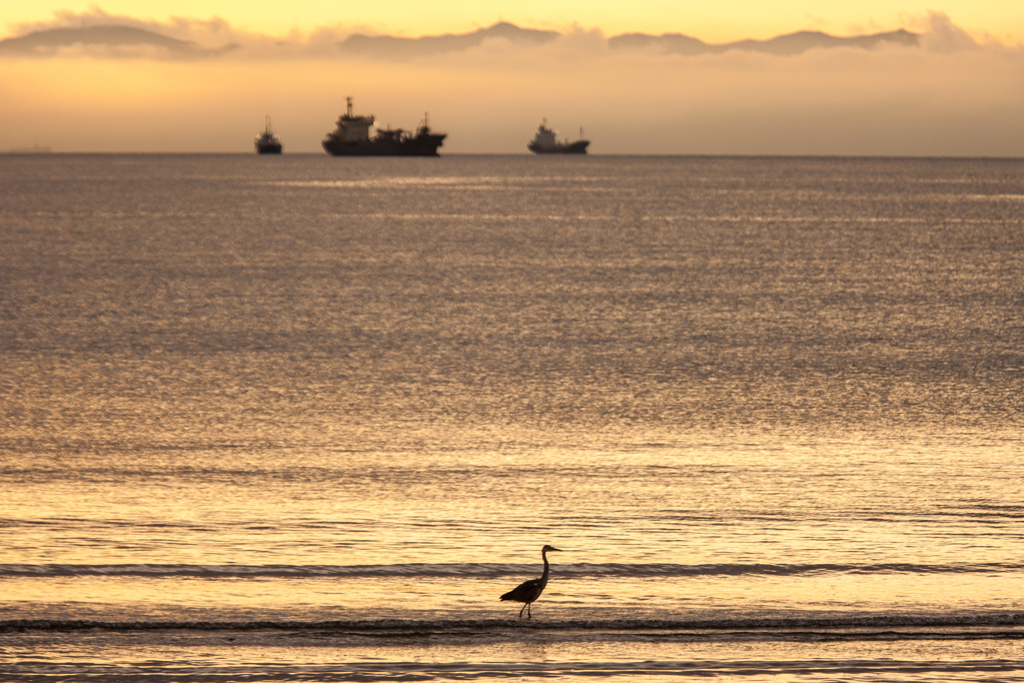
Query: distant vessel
x=266 y=142
x=544 y=142
x=352 y=138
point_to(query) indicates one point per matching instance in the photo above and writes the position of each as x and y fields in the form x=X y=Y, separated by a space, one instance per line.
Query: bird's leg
x=529 y=614
x=521 y=611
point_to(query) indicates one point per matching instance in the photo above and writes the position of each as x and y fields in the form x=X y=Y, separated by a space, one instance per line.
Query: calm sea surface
x=307 y=418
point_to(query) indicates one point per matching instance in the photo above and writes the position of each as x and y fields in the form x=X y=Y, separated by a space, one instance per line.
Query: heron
x=528 y=591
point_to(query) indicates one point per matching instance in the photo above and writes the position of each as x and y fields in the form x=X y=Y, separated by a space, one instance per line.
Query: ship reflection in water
x=545 y=142
x=352 y=138
x=266 y=142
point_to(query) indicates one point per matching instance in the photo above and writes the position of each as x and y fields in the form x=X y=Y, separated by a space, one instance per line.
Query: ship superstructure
x=352 y=137
x=546 y=142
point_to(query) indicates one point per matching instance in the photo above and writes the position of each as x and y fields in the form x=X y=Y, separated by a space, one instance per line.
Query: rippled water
x=307 y=418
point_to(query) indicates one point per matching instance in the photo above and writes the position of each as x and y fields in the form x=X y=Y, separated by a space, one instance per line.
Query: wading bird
x=528 y=591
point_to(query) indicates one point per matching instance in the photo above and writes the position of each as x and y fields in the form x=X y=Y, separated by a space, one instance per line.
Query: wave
x=487 y=570
x=888 y=669
x=845 y=627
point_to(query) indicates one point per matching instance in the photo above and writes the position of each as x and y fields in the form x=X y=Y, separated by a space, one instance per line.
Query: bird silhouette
x=528 y=591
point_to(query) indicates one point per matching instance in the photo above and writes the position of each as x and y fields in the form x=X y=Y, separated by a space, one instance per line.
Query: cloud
x=946 y=37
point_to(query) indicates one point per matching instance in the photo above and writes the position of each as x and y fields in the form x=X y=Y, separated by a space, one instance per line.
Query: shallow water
x=307 y=418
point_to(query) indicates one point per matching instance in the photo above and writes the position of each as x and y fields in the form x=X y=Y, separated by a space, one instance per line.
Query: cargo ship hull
x=578 y=147
x=419 y=146
x=268 y=147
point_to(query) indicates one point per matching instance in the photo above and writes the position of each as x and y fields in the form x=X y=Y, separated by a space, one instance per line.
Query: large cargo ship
x=352 y=137
x=545 y=142
x=266 y=142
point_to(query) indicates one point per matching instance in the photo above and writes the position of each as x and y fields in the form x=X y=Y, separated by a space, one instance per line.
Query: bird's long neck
x=544 y=556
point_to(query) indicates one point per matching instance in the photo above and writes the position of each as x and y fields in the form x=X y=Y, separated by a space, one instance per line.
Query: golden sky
x=711 y=21
x=959 y=93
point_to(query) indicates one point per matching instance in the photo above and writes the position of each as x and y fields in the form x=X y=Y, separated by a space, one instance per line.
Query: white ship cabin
x=353 y=128
x=545 y=136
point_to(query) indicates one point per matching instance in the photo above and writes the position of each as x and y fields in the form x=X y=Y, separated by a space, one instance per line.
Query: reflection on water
x=777 y=395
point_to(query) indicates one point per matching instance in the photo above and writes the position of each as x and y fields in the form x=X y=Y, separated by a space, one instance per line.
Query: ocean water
x=307 y=418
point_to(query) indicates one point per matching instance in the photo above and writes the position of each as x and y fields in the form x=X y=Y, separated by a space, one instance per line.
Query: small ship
x=266 y=142
x=352 y=138
x=545 y=142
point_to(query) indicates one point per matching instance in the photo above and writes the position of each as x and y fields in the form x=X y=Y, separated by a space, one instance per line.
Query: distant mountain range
x=391 y=47
x=48 y=41
x=789 y=44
